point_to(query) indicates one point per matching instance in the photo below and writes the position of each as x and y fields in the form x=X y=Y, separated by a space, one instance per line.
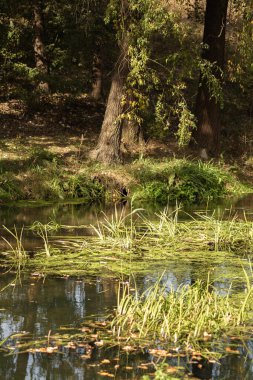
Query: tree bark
x=39 y=47
x=207 y=107
x=131 y=134
x=108 y=147
x=131 y=131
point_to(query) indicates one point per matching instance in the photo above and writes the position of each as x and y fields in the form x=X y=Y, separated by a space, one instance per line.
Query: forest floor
x=67 y=128
x=65 y=125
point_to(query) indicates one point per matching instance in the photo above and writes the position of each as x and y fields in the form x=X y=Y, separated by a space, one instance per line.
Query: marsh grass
x=128 y=241
x=166 y=225
x=170 y=231
x=119 y=229
x=186 y=316
x=51 y=226
x=16 y=256
x=16 y=251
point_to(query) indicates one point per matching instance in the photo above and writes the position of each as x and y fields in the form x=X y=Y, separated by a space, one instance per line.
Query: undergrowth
x=184 y=181
x=46 y=176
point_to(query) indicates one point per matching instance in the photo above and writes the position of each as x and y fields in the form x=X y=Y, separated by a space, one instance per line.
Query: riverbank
x=41 y=174
x=44 y=150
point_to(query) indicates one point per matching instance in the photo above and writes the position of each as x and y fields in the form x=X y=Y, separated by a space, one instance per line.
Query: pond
x=42 y=306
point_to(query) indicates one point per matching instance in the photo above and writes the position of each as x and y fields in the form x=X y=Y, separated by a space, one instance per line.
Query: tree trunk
x=131 y=134
x=108 y=147
x=207 y=107
x=97 y=76
x=197 y=10
x=39 y=47
x=131 y=131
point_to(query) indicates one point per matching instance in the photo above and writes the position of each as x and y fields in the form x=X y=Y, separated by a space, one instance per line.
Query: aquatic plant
x=52 y=225
x=132 y=241
x=163 y=372
x=166 y=224
x=119 y=229
x=181 y=317
x=16 y=257
x=17 y=250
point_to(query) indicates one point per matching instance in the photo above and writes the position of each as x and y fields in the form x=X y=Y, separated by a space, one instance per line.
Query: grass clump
x=51 y=182
x=80 y=186
x=16 y=255
x=118 y=230
x=9 y=187
x=185 y=316
x=184 y=181
x=44 y=175
x=39 y=155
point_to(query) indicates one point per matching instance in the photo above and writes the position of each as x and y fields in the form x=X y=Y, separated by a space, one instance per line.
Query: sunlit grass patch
x=119 y=229
x=183 y=180
x=185 y=317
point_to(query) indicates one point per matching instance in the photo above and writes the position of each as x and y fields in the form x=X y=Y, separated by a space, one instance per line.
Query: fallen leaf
x=85 y=356
x=105 y=361
x=142 y=366
x=128 y=348
x=99 y=343
x=231 y=351
x=104 y=373
x=159 y=352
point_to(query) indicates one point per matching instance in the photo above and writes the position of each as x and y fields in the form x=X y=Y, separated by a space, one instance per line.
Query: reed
x=184 y=316
x=16 y=257
x=119 y=229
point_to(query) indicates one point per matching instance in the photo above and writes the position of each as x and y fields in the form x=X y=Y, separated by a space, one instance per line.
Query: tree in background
x=147 y=80
x=41 y=62
x=209 y=97
x=108 y=146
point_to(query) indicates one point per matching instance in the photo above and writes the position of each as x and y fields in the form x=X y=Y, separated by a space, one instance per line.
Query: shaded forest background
x=127 y=72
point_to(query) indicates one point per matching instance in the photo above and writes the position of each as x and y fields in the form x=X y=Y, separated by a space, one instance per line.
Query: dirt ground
x=66 y=126
x=69 y=127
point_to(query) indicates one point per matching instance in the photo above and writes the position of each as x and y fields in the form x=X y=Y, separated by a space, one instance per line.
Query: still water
x=43 y=305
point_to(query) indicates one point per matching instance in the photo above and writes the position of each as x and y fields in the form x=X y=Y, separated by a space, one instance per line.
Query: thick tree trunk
x=131 y=131
x=131 y=134
x=39 y=47
x=97 y=76
x=108 y=147
x=207 y=108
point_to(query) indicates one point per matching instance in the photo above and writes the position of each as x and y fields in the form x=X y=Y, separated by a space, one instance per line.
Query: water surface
x=43 y=305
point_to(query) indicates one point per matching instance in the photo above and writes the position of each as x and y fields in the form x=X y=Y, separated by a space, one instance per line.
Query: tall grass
x=184 y=316
x=168 y=229
x=166 y=225
x=17 y=250
x=119 y=229
x=16 y=255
